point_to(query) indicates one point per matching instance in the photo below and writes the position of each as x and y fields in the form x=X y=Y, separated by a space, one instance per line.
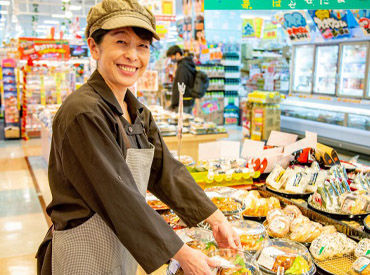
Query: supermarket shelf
x=351 y=139
x=231 y=62
x=232 y=75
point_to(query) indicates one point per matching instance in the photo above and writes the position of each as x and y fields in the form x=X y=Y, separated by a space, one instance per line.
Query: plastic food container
x=252 y=235
x=229 y=206
x=195 y=234
x=281 y=256
x=231 y=262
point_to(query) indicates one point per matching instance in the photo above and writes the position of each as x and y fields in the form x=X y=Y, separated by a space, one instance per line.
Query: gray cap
x=114 y=14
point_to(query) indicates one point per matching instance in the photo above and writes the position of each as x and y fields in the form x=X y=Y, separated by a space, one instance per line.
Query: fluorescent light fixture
x=75 y=8
x=68 y=14
x=264 y=17
x=3 y=12
x=4 y=3
x=53 y=22
x=58 y=15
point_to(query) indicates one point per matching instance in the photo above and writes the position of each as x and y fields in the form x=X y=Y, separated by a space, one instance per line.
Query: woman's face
x=122 y=57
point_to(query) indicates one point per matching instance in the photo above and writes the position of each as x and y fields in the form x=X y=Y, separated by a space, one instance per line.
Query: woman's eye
x=121 y=42
x=144 y=46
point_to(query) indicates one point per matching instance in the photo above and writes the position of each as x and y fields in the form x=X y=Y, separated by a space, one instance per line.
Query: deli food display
x=291 y=224
x=281 y=256
x=257 y=206
x=296 y=179
x=335 y=195
x=252 y=234
x=225 y=172
x=229 y=262
x=167 y=122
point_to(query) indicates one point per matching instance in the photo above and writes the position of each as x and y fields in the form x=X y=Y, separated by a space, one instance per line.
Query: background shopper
x=185 y=73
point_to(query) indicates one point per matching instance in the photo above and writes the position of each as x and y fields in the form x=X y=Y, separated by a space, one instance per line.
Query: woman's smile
x=127 y=69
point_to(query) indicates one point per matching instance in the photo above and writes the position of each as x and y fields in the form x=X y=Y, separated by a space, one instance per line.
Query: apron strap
x=125 y=137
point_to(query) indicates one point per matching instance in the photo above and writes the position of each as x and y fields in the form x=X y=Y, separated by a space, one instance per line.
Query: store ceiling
x=49 y=13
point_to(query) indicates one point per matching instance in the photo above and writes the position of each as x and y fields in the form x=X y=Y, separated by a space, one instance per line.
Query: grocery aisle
x=22 y=221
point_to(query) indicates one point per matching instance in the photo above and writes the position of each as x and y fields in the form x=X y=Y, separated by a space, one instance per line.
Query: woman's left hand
x=223 y=232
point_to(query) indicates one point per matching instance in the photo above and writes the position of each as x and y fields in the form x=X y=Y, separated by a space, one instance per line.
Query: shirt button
x=130 y=129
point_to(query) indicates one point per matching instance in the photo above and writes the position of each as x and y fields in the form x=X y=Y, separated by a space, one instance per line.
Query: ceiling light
x=75 y=8
x=58 y=15
x=53 y=22
x=68 y=14
x=264 y=17
x=5 y=3
x=3 y=12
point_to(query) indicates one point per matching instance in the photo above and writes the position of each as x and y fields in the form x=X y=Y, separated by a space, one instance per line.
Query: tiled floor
x=22 y=221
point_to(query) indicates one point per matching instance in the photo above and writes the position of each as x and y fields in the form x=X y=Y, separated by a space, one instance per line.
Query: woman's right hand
x=194 y=262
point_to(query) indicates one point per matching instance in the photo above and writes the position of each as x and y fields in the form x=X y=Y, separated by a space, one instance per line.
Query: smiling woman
x=106 y=152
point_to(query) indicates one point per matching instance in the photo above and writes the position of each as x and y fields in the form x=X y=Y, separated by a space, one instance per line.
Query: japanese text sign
x=332 y=24
x=46 y=49
x=285 y=4
x=295 y=24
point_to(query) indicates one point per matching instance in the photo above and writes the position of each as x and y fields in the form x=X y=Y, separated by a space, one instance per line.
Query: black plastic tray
x=337 y=216
x=254 y=218
x=289 y=195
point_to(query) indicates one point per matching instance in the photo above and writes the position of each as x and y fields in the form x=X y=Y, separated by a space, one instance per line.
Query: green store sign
x=285 y=4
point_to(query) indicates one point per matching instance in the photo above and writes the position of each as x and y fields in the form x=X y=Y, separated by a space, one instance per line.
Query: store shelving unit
x=232 y=63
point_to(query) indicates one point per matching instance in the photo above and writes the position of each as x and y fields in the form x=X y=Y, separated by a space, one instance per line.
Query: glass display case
x=326 y=69
x=303 y=68
x=353 y=69
x=341 y=124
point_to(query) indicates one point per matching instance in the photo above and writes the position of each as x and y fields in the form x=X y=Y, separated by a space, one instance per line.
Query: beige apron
x=92 y=247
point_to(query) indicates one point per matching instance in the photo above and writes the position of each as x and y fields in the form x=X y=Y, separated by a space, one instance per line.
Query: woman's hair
x=144 y=34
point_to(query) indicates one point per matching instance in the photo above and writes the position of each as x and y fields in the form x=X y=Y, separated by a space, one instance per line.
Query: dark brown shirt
x=88 y=174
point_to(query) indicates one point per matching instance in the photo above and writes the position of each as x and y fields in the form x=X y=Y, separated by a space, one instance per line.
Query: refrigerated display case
x=332 y=68
x=326 y=65
x=303 y=68
x=353 y=63
x=342 y=124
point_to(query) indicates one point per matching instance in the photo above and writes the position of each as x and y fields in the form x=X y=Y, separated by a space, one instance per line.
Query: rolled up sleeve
x=172 y=183
x=94 y=164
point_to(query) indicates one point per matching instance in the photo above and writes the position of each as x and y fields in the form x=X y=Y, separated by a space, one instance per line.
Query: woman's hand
x=223 y=232
x=194 y=262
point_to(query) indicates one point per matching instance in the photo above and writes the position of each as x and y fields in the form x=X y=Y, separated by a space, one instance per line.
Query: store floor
x=24 y=192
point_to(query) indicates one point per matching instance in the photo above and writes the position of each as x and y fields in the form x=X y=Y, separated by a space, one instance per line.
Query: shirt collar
x=97 y=82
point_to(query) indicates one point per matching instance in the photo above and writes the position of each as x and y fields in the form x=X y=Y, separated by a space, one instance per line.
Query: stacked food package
x=167 y=122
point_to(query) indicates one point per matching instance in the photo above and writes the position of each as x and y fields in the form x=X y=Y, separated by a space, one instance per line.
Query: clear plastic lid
x=230 y=262
x=228 y=205
x=195 y=233
x=281 y=256
x=252 y=234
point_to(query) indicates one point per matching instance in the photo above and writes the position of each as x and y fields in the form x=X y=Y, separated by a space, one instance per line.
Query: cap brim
x=128 y=21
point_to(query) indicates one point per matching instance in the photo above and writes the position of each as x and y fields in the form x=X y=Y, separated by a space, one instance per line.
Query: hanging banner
x=285 y=4
x=363 y=19
x=258 y=24
x=269 y=31
x=295 y=24
x=332 y=24
x=45 y=49
x=252 y=27
x=162 y=29
x=248 y=28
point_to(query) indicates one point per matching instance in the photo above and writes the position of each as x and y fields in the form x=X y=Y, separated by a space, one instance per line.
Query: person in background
x=185 y=73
